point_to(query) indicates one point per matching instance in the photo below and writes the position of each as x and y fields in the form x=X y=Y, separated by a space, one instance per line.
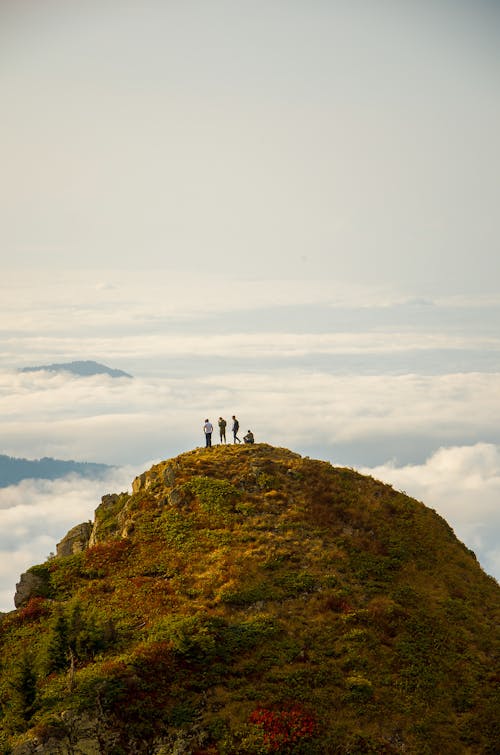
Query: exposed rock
x=74 y=734
x=125 y=521
x=88 y=735
x=144 y=481
x=180 y=496
x=108 y=500
x=165 y=474
x=75 y=541
x=98 y=532
x=138 y=483
x=170 y=473
x=30 y=585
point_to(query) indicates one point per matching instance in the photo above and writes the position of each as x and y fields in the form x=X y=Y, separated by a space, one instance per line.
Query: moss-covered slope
x=246 y=600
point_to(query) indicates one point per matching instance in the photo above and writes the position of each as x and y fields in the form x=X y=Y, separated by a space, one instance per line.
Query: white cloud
x=463 y=485
x=125 y=421
x=246 y=345
x=71 y=301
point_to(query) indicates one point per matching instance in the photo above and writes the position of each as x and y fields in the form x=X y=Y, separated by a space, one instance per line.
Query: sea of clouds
x=405 y=391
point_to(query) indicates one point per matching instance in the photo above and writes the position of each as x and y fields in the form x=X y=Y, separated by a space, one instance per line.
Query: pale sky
x=348 y=140
x=284 y=210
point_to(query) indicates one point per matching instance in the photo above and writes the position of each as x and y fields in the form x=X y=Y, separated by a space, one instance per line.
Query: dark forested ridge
x=13 y=470
x=247 y=600
x=81 y=368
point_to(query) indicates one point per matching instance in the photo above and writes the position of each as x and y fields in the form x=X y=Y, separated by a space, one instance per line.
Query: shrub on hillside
x=284 y=729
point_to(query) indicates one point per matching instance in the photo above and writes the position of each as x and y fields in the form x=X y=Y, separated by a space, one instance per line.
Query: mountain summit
x=85 y=368
x=243 y=599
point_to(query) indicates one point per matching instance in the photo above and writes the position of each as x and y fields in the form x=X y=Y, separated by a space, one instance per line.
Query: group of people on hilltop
x=208 y=429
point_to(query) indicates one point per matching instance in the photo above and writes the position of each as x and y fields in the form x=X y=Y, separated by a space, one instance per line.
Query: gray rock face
x=179 y=496
x=29 y=586
x=170 y=473
x=146 y=480
x=139 y=483
x=99 y=533
x=77 y=734
x=75 y=541
x=108 y=500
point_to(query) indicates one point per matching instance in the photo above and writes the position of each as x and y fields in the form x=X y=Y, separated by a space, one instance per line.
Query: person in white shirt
x=208 y=429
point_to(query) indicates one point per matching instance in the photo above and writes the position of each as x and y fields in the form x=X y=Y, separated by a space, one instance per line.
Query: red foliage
x=139 y=690
x=338 y=604
x=105 y=555
x=148 y=504
x=139 y=582
x=33 y=610
x=153 y=659
x=112 y=667
x=284 y=728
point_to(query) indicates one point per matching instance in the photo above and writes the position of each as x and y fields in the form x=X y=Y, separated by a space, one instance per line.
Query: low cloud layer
x=127 y=421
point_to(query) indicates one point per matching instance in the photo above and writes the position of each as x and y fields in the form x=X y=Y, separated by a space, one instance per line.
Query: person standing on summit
x=222 y=429
x=236 y=427
x=208 y=430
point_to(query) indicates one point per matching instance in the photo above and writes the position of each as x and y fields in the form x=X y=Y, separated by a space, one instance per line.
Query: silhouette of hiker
x=236 y=427
x=248 y=438
x=208 y=430
x=222 y=429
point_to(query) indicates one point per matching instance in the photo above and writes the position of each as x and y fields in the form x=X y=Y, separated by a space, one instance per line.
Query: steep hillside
x=243 y=599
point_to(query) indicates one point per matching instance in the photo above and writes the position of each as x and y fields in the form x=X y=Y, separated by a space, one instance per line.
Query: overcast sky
x=287 y=210
x=352 y=140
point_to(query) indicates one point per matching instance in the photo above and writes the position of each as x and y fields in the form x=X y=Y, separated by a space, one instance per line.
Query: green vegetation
x=247 y=600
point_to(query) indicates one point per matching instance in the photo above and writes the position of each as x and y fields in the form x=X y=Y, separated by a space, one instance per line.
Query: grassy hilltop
x=244 y=599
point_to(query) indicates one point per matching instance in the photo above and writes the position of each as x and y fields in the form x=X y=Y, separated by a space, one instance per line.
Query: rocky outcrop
x=75 y=541
x=30 y=585
x=74 y=734
x=89 y=735
x=164 y=473
x=106 y=524
x=139 y=483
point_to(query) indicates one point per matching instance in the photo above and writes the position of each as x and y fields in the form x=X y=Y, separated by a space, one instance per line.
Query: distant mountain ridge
x=84 y=368
x=13 y=470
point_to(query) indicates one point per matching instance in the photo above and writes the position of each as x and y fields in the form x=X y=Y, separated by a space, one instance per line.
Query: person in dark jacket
x=248 y=438
x=236 y=427
x=222 y=429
